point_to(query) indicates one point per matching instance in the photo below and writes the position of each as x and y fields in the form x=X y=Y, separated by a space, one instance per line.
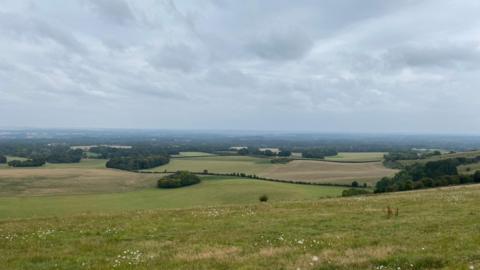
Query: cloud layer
x=365 y=66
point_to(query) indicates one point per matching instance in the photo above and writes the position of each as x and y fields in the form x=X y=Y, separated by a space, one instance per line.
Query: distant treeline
x=106 y=152
x=27 y=163
x=409 y=155
x=258 y=152
x=134 y=163
x=319 y=153
x=45 y=153
x=431 y=174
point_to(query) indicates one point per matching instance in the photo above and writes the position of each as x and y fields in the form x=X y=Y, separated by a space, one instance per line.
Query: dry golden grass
x=328 y=172
x=70 y=181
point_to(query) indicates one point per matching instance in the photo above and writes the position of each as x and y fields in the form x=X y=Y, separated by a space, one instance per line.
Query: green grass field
x=297 y=170
x=218 y=164
x=435 y=229
x=357 y=157
x=212 y=191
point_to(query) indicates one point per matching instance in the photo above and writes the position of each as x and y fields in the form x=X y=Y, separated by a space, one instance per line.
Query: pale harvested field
x=328 y=172
x=40 y=181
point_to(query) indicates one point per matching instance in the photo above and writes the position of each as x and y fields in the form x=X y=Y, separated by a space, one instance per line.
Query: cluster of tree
x=179 y=179
x=63 y=155
x=354 y=192
x=53 y=153
x=106 y=152
x=27 y=163
x=355 y=184
x=267 y=152
x=319 y=153
x=409 y=155
x=431 y=174
x=3 y=159
x=135 y=163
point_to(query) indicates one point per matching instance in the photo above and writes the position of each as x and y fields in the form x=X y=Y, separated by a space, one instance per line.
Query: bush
x=263 y=198
x=179 y=179
x=355 y=184
x=3 y=159
x=354 y=192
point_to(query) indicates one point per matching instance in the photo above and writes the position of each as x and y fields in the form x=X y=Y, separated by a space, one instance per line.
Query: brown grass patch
x=70 y=181
x=272 y=251
x=328 y=172
x=209 y=253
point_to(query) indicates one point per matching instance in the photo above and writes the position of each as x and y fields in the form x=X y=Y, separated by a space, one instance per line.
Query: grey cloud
x=442 y=55
x=324 y=65
x=116 y=11
x=288 y=45
x=177 y=57
x=34 y=29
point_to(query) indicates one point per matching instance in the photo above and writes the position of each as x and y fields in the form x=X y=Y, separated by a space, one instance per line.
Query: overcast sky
x=326 y=66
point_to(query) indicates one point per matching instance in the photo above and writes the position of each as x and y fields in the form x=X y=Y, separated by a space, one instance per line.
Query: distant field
x=193 y=154
x=470 y=154
x=328 y=172
x=469 y=169
x=435 y=229
x=357 y=157
x=212 y=191
x=218 y=164
x=297 y=170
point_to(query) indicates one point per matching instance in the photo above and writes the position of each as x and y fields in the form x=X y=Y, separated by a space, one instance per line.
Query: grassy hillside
x=212 y=191
x=435 y=229
x=88 y=176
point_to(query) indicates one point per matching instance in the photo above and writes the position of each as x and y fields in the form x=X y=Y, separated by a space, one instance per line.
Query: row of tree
x=409 y=155
x=135 y=163
x=269 y=153
x=27 y=163
x=430 y=174
x=319 y=153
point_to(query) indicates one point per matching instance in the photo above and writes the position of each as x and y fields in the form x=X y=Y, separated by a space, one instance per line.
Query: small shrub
x=263 y=198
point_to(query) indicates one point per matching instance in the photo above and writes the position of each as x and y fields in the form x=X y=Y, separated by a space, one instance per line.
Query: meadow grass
x=213 y=190
x=435 y=229
x=357 y=157
x=217 y=164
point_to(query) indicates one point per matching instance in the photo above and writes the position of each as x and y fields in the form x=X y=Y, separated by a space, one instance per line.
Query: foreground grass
x=435 y=229
x=212 y=191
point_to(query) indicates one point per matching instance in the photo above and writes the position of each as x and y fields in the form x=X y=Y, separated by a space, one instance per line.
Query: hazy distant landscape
x=224 y=134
